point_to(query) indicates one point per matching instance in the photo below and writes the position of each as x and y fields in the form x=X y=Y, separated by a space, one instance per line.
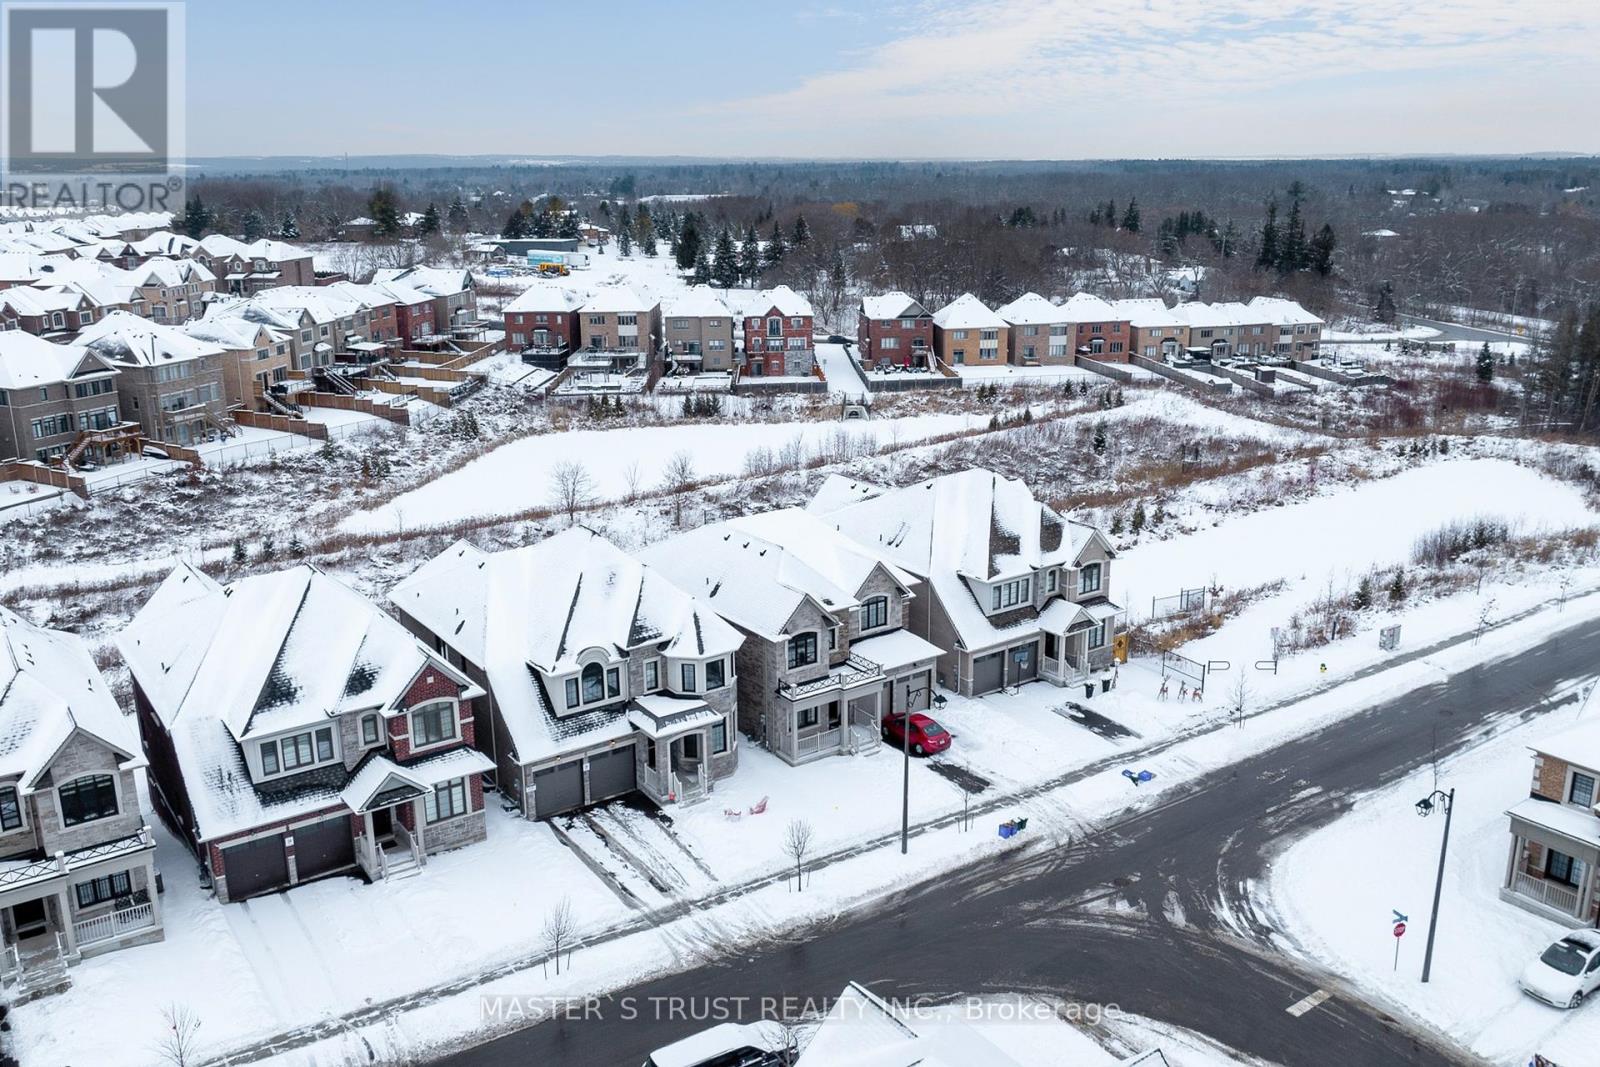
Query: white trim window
x=595 y=684
x=1089 y=579
x=285 y=755
x=719 y=738
x=652 y=675
x=1050 y=580
x=10 y=810
x=449 y=800
x=1010 y=594
x=1580 y=790
x=433 y=723
x=686 y=676
x=1097 y=634
x=371 y=729
x=716 y=674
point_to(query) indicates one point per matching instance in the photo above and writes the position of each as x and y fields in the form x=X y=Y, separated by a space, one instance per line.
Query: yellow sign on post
x=1119 y=648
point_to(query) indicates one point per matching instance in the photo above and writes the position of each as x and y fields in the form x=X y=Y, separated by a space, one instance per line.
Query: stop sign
x=1399 y=929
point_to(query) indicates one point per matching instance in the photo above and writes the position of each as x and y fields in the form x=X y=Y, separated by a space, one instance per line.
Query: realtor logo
x=92 y=89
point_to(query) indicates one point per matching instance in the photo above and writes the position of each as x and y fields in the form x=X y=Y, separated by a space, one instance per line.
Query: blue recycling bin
x=1006 y=829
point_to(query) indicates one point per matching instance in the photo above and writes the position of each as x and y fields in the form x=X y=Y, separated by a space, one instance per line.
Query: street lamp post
x=938 y=701
x=1425 y=807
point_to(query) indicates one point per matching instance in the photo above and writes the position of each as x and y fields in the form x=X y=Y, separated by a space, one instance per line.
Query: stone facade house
x=604 y=679
x=826 y=653
x=967 y=333
x=295 y=731
x=615 y=318
x=1006 y=588
x=77 y=860
x=1554 y=863
x=896 y=329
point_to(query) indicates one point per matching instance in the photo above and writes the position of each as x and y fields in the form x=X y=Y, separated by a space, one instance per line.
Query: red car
x=927 y=736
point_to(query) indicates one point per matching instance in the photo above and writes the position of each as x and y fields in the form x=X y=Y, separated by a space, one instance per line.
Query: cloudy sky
x=1056 y=79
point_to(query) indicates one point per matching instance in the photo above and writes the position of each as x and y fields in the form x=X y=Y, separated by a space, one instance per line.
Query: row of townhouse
x=70 y=294
x=894 y=328
x=292 y=729
x=767 y=333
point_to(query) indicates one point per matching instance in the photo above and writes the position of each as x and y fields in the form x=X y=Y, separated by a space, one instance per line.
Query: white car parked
x=1568 y=971
x=727 y=1045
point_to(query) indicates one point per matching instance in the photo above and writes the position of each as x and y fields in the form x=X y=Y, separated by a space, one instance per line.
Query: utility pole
x=1425 y=807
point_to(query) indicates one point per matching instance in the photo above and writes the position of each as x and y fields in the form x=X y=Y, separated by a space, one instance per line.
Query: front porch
x=680 y=764
x=837 y=714
x=1078 y=641
x=395 y=830
x=1555 y=853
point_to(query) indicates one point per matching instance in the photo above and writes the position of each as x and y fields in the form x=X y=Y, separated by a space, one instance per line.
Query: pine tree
x=801 y=233
x=239 y=554
x=516 y=226
x=702 y=269
x=1228 y=241
x=297 y=547
x=289 y=229
x=725 y=261
x=1485 y=364
x=430 y=223
x=776 y=249
x=644 y=231
x=1362 y=600
x=254 y=225
x=688 y=248
x=1130 y=218
x=196 y=218
x=1321 y=253
x=1397 y=586
x=384 y=210
x=1383 y=309
x=1137 y=523
x=1267 y=255
x=750 y=255
x=625 y=242
x=457 y=216
x=1292 y=241
x=1100 y=439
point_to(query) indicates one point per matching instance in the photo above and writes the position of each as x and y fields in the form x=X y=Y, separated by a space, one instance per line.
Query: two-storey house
x=1099 y=330
x=1299 y=332
x=616 y=319
x=603 y=677
x=966 y=332
x=894 y=329
x=1007 y=589
x=826 y=654
x=255 y=357
x=170 y=381
x=778 y=327
x=542 y=324
x=1039 y=331
x=1154 y=331
x=1554 y=866
x=697 y=331
x=454 y=293
x=77 y=861
x=59 y=403
x=296 y=731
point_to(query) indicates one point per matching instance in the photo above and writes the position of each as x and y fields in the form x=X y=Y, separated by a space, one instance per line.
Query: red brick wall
x=755 y=329
x=869 y=332
x=431 y=684
x=558 y=324
x=1112 y=333
x=1550 y=777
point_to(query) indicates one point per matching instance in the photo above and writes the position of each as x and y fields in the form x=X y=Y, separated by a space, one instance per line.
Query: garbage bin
x=1105 y=684
x=1006 y=829
x=1088 y=689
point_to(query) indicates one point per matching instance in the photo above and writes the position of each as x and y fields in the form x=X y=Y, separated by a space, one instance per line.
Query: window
x=1089 y=579
x=875 y=613
x=806 y=718
x=686 y=675
x=652 y=675
x=572 y=693
x=802 y=650
x=1582 y=790
x=10 y=809
x=1097 y=634
x=433 y=723
x=594 y=683
x=369 y=730
x=1050 y=581
x=94 y=796
x=719 y=738
x=446 y=801
x=1560 y=867
x=716 y=674
x=269 y=757
x=100 y=890
x=1010 y=594
x=324 y=745
x=613 y=682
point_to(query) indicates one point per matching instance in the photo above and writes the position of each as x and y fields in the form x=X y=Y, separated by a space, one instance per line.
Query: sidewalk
x=656 y=918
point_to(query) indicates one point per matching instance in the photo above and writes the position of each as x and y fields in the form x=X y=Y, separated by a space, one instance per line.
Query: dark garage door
x=558 y=789
x=611 y=774
x=986 y=672
x=1023 y=662
x=323 y=846
x=258 y=866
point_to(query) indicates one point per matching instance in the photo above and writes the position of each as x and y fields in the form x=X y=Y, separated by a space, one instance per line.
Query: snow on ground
x=1333 y=891
x=1176 y=407
x=1009 y=375
x=1377 y=331
x=840 y=369
x=517 y=476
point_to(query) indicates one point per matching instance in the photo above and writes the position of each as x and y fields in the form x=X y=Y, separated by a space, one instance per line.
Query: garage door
x=258 y=866
x=1023 y=661
x=611 y=774
x=323 y=846
x=986 y=672
x=558 y=789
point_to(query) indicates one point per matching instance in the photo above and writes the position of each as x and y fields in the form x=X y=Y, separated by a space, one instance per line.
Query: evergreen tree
x=801 y=232
x=838 y=275
x=750 y=255
x=1228 y=241
x=1362 y=600
x=1267 y=255
x=239 y=554
x=1130 y=218
x=776 y=249
x=1137 y=523
x=1383 y=308
x=688 y=249
x=384 y=210
x=516 y=226
x=702 y=269
x=1321 y=252
x=644 y=231
x=297 y=547
x=196 y=217
x=1099 y=439
x=457 y=216
x=567 y=224
x=1111 y=213
x=625 y=242
x=430 y=223
x=725 y=261
x=254 y=226
x=289 y=229
x=1485 y=364
x=1397 y=586
x=1292 y=241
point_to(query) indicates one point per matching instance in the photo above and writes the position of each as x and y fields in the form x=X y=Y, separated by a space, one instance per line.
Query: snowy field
x=1009 y=375
x=1332 y=893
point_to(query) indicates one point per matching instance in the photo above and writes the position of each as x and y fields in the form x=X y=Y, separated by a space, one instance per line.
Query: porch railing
x=114 y=924
x=822 y=741
x=1551 y=894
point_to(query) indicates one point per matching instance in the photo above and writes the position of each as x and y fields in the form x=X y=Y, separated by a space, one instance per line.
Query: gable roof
x=125 y=338
x=435 y=281
x=49 y=690
x=545 y=298
x=617 y=299
x=892 y=305
x=967 y=312
x=27 y=361
x=700 y=302
x=1030 y=309
x=1145 y=312
x=862 y=1030
x=1086 y=307
x=780 y=298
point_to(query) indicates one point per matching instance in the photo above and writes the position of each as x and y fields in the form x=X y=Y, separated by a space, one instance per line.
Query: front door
x=30 y=918
x=691 y=747
x=383 y=825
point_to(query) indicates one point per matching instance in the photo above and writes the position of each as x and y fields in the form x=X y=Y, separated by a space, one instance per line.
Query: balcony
x=855 y=671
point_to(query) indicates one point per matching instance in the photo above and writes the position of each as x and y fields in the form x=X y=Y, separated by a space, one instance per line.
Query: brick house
x=1555 y=832
x=247 y=267
x=414 y=311
x=56 y=312
x=1006 y=588
x=77 y=861
x=1099 y=331
x=826 y=654
x=454 y=293
x=171 y=290
x=255 y=357
x=1039 y=331
x=778 y=327
x=894 y=328
x=615 y=318
x=604 y=679
x=59 y=401
x=967 y=333
x=170 y=382
x=542 y=323
x=1227 y=329
x=1299 y=332
x=295 y=731
x=697 y=331
x=1154 y=331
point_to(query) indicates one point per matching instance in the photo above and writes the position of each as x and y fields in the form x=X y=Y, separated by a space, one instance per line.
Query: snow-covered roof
x=837 y=490
x=782 y=299
x=27 y=361
x=1579 y=746
x=863 y=1030
x=1030 y=309
x=891 y=305
x=1145 y=312
x=1563 y=819
x=617 y=300
x=1086 y=307
x=699 y=302
x=49 y=690
x=972 y=524
x=541 y=606
x=1210 y=316
x=756 y=571
x=1281 y=312
x=544 y=298
x=895 y=650
x=967 y=312
x=233 y=333
x=125 y=338
x=435 y=281
x=401 y=293
x=33 y=300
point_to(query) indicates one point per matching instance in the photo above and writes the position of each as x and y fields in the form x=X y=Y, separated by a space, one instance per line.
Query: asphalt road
x=1046 y=923
x=1454 y=331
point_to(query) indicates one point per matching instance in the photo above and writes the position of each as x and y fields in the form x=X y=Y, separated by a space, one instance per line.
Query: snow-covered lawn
x=517 y=476
x=1332 y=894
x=1009 y=375
x=1377 y=331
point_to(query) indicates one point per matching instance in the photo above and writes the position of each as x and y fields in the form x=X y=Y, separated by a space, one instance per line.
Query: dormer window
x=1010 y=594
x=1051 y=580
x=716 y=674
x=371 y=729
x=652 y=675
x=875 y=613
x=10 y=810
x=87 y=798
x=595 y=683
x=687 y=677
x=802 y=650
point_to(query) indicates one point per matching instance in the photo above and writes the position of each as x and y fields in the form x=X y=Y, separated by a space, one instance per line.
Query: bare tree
x=559 y=930
x=797 y=845
x=634 y=479
x=1239 y=697
x=1485 y=617
x=572 y=488
x=678 y=478
x=179 y=1046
